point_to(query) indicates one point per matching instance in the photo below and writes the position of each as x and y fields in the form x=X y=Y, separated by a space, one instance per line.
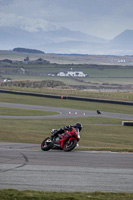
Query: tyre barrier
x=127 y=123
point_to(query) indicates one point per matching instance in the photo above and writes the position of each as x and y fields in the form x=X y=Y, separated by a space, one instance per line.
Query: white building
x=72 y=73
x=121 y=61
x=6 y=80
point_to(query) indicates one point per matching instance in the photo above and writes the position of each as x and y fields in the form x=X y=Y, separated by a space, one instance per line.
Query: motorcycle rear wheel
x=46 y=144
x=69 y=145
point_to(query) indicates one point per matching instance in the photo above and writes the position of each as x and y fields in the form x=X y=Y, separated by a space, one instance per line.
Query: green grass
x=97 y=132
x=109 y=72
x=122 y=96
x=64 y=103
x=11 y=194
x=24 y=112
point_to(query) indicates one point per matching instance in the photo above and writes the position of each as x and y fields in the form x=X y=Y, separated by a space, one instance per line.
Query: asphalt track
x=63 y=112
x=25 y=166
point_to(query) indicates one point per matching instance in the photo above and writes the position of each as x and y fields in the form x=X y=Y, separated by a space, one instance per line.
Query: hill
x=124 y=38
x=65 y=41
x=24 y=50
x=47 y=41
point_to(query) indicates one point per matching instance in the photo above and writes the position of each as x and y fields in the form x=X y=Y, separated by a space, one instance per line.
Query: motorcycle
x=66 y=141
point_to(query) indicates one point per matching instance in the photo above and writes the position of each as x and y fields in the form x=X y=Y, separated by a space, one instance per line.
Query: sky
x=102 y=18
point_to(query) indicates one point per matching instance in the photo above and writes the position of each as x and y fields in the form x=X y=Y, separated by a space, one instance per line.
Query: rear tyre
x=47 y=144
x=69 y=145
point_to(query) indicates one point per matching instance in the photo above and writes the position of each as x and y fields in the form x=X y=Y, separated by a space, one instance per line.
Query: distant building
x=22 y=70
x=72 y=73
x=6 y=80
x=41 y=61
x=26 y=60
x=121 y=61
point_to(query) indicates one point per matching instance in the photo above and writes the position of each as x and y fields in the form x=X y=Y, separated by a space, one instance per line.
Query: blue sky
x=103 y=18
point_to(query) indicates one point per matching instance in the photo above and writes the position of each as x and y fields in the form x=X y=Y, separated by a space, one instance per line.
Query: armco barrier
x=100 y=100
x=67 y=97
x=30 y=94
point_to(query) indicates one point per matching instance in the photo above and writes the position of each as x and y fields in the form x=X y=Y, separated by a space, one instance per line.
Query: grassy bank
x=121 y=96
x=36 y=195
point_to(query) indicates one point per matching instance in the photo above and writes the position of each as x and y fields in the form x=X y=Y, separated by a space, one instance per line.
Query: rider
x=69 y=128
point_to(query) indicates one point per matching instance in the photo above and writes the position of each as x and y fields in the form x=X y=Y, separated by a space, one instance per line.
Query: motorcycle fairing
x=67 y=136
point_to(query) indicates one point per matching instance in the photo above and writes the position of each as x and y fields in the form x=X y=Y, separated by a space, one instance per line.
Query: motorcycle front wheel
x=69 y=145
x=47 y=144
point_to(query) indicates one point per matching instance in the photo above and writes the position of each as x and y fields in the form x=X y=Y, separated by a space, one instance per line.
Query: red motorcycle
x=64 y=139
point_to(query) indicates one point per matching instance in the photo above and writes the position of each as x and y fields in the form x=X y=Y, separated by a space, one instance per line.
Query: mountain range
x=66 y=41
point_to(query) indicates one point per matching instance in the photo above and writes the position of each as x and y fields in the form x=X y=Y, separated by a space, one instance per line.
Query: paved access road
x=25 y=166
x=63 y=112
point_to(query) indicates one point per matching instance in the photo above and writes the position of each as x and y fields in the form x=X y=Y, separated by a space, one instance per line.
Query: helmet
x=79 y=126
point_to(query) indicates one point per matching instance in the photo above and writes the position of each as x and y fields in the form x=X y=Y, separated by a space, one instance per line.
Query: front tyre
x=47 y=144
x=69 y=145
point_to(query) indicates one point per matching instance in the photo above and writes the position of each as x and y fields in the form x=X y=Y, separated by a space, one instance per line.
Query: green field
x=98 y=132
x=102 y=73
x=11 y=194
x=69 y=59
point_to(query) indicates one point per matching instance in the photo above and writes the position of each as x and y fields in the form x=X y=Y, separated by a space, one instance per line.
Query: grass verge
x=24 y=112
x=64 y=103
x=121 y=96
x=10 y=194
x=97 y=132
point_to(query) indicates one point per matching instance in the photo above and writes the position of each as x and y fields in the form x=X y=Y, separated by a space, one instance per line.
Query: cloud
x=24 y=14
x=33 y=25
x=104 y=18
x=28 y=24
